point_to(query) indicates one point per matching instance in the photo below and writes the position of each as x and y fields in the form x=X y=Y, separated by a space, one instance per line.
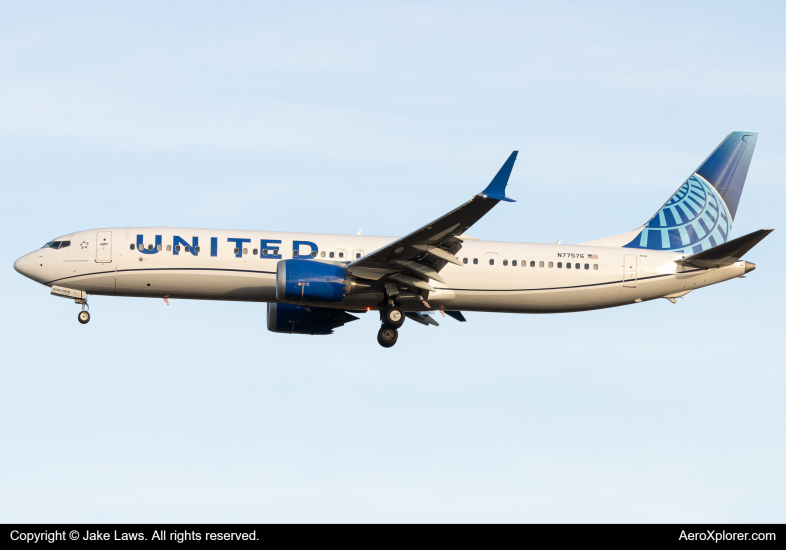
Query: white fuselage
x=109 y=262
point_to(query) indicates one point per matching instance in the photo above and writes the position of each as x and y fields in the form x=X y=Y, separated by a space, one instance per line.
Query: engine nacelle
x=293 y=319
x=311 y=281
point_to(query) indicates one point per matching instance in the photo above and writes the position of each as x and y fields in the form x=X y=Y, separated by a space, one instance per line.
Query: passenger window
x=256 y=251
x=169 y=247
x=150 y=247
x=504 y=262
x=586 y=266
x=132 y=247
x=559 y=265
x=332 y=254
x=532 y=264
x=465 y=261
x=314 y=254
x=295 y=253
x=551 y=264
x=275 y=252
x=158 y=247
x=475 y=261
x=513 y=263
x=340 y=254
x=188 y=248
x=357 y=255
x=245 y=250
x=567 y=265
x=264 y=251
x=322 y=253
x=237 y=251
x=541 y=264
x=491 y=261
x=595 y=267
x=196 y=249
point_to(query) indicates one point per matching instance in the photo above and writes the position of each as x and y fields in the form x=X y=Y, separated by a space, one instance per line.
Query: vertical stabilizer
x=700 y=214
x=727 y=167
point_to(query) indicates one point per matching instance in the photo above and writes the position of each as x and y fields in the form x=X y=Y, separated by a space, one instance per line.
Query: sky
x=337 y=117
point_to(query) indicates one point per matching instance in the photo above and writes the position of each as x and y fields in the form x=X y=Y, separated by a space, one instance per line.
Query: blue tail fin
x=700 y=214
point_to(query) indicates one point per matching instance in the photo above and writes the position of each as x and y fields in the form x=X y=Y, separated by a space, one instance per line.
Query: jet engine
x=312 y=281
x=293 y=319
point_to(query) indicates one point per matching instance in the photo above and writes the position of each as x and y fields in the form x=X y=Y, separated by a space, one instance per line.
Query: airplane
x=315 y=283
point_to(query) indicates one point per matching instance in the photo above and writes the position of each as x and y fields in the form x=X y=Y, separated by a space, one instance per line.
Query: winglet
x=496 y=189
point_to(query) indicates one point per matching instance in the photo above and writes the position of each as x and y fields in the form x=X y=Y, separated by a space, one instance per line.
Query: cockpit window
x=57 y=244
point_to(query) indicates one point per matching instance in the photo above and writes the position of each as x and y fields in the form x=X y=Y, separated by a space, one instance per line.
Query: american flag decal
x=592 y=256
x=425 y=303
x=166 y=299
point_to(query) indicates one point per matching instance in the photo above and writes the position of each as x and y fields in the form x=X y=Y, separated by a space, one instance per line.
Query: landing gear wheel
x=393 y=317
x=84 y=317
x=387 y=337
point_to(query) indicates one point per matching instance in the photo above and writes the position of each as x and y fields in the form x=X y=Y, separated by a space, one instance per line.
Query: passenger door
x=104 y=246
x=629 y=271
x=491 y=266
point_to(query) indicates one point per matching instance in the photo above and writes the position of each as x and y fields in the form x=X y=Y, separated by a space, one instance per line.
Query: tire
x=387 y=337
x=393 y=317
x=84 y=317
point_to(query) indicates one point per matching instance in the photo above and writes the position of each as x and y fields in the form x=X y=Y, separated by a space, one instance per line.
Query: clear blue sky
x=341 y=116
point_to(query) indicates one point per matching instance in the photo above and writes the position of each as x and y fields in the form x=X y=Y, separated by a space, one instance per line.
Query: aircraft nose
x=26 y=266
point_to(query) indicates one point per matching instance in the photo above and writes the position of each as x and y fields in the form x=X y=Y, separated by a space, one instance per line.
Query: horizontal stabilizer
x=726 y=253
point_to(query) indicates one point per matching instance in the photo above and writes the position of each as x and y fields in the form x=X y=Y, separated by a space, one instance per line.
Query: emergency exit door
x=104 y=246
x=629 y=271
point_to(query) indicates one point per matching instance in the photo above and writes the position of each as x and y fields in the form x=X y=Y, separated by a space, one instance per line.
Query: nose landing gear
x=84 y=315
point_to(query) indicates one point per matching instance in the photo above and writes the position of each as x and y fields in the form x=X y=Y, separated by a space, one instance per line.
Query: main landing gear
x=387 y=337
x=392 y=319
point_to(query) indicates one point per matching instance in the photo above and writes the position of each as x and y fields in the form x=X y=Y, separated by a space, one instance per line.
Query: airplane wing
x=418 y=257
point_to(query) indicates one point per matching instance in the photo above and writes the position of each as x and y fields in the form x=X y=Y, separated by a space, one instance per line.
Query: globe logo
x=694 y=219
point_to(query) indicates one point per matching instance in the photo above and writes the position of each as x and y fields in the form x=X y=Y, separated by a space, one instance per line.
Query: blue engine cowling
x=294 y=319
x=311 y=281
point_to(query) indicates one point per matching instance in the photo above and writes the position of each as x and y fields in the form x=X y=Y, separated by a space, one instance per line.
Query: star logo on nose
x=84 y=244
